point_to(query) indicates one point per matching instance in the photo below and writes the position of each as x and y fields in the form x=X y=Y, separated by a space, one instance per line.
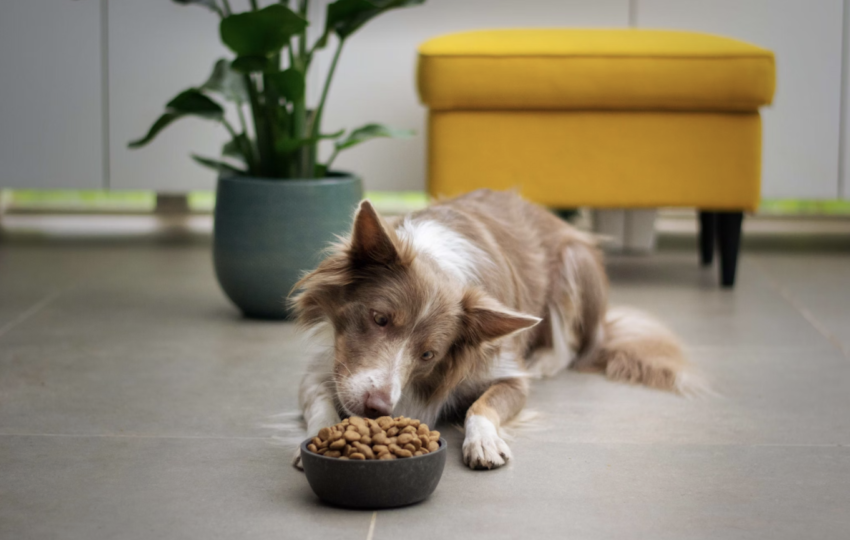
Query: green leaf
x=345 y=16
x=236 y=147
x=371 y=131
x=219 y=166
x=263 y=32
x=286 y=145
x=227 y=82
x=289 y=83
x=334 y=135
x=193 y=101
x=249 y=64
x=161 y=123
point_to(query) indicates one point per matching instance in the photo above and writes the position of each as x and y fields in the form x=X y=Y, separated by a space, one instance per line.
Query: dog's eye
x=427 y=355
x=380 y=319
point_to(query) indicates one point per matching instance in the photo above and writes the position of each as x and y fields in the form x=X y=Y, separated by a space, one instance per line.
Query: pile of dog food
x=382 y=438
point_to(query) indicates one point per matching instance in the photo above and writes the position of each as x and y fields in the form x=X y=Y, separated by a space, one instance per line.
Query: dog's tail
x=636 y=348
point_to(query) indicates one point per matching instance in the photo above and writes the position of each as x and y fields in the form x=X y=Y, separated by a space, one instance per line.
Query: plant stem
x=272 y=103
x=331 y=160
x=264 y=150
x=254 y=5
x=227 y=10
x=248 y=150
x=316 y=122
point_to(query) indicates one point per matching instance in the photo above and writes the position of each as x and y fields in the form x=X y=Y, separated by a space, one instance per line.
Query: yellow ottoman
x=601 y=118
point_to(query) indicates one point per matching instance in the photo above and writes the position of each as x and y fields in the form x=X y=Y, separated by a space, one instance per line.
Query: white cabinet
x=801 y=128
x=156 y=50
x=51 y=100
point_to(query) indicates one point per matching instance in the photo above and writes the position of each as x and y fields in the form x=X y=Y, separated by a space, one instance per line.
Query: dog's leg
x=483 y=448
x=315 y=398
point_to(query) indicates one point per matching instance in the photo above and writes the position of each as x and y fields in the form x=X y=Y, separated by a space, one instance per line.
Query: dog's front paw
x=482 y=446
x=296 y=460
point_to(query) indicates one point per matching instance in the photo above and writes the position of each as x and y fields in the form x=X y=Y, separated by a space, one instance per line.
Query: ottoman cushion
x=565 y=69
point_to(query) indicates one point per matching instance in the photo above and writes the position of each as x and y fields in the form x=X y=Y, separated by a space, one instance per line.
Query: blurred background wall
x=83 y=77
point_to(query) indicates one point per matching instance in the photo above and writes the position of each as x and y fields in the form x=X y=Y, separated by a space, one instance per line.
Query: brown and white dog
x=450 y=311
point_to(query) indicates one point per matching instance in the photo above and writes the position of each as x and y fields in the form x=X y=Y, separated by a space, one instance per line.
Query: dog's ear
x=371 y=239
x=487 y=319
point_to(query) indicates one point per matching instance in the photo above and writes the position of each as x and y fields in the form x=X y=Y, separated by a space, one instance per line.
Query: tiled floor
x=133 y=401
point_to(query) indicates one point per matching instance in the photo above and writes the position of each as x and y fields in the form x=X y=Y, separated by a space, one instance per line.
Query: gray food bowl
x=373 y=483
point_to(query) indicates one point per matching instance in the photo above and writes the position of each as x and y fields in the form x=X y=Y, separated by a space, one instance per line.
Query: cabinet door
x=51 y=111
x=156 y=50
x=376 y=76
x=801 y=128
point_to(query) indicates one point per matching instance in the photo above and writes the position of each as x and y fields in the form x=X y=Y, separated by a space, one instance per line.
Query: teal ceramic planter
x=268 y=232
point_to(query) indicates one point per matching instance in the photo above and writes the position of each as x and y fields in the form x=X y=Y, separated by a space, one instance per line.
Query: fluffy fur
x=450 y=310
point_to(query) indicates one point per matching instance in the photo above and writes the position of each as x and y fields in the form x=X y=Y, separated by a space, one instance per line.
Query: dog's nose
x=378 y=404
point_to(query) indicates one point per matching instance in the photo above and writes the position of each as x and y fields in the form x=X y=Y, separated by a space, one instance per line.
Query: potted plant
x=277 y=205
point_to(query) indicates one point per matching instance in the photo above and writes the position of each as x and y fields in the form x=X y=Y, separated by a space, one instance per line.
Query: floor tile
x=638 y=491
x=92 y=488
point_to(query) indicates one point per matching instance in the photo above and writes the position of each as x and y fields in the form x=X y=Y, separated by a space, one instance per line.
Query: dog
x=452 y=309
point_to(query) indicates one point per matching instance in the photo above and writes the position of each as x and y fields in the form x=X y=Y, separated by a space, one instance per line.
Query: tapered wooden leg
x=707 y=232
x=729 y=242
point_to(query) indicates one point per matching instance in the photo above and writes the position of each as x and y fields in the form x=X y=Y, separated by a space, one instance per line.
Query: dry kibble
x=383 y=438
x=365 y=450
x=380 y=438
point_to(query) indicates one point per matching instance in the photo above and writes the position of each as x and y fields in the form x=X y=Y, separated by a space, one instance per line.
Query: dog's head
x=399 y=322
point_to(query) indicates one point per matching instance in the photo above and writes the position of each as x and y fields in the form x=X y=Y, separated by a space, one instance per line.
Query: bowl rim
x=442 y=441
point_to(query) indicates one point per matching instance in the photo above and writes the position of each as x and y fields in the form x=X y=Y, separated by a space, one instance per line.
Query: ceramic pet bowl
x=373 y=483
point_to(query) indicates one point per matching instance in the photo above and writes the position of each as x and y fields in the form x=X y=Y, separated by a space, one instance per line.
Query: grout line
x=33 y=310
x=129 y=436
x=372 y=526
x=375 y=515
x=804 y=312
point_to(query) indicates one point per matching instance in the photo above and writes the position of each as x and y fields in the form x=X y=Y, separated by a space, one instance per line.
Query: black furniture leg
x=707 y=232
x=729 y=242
